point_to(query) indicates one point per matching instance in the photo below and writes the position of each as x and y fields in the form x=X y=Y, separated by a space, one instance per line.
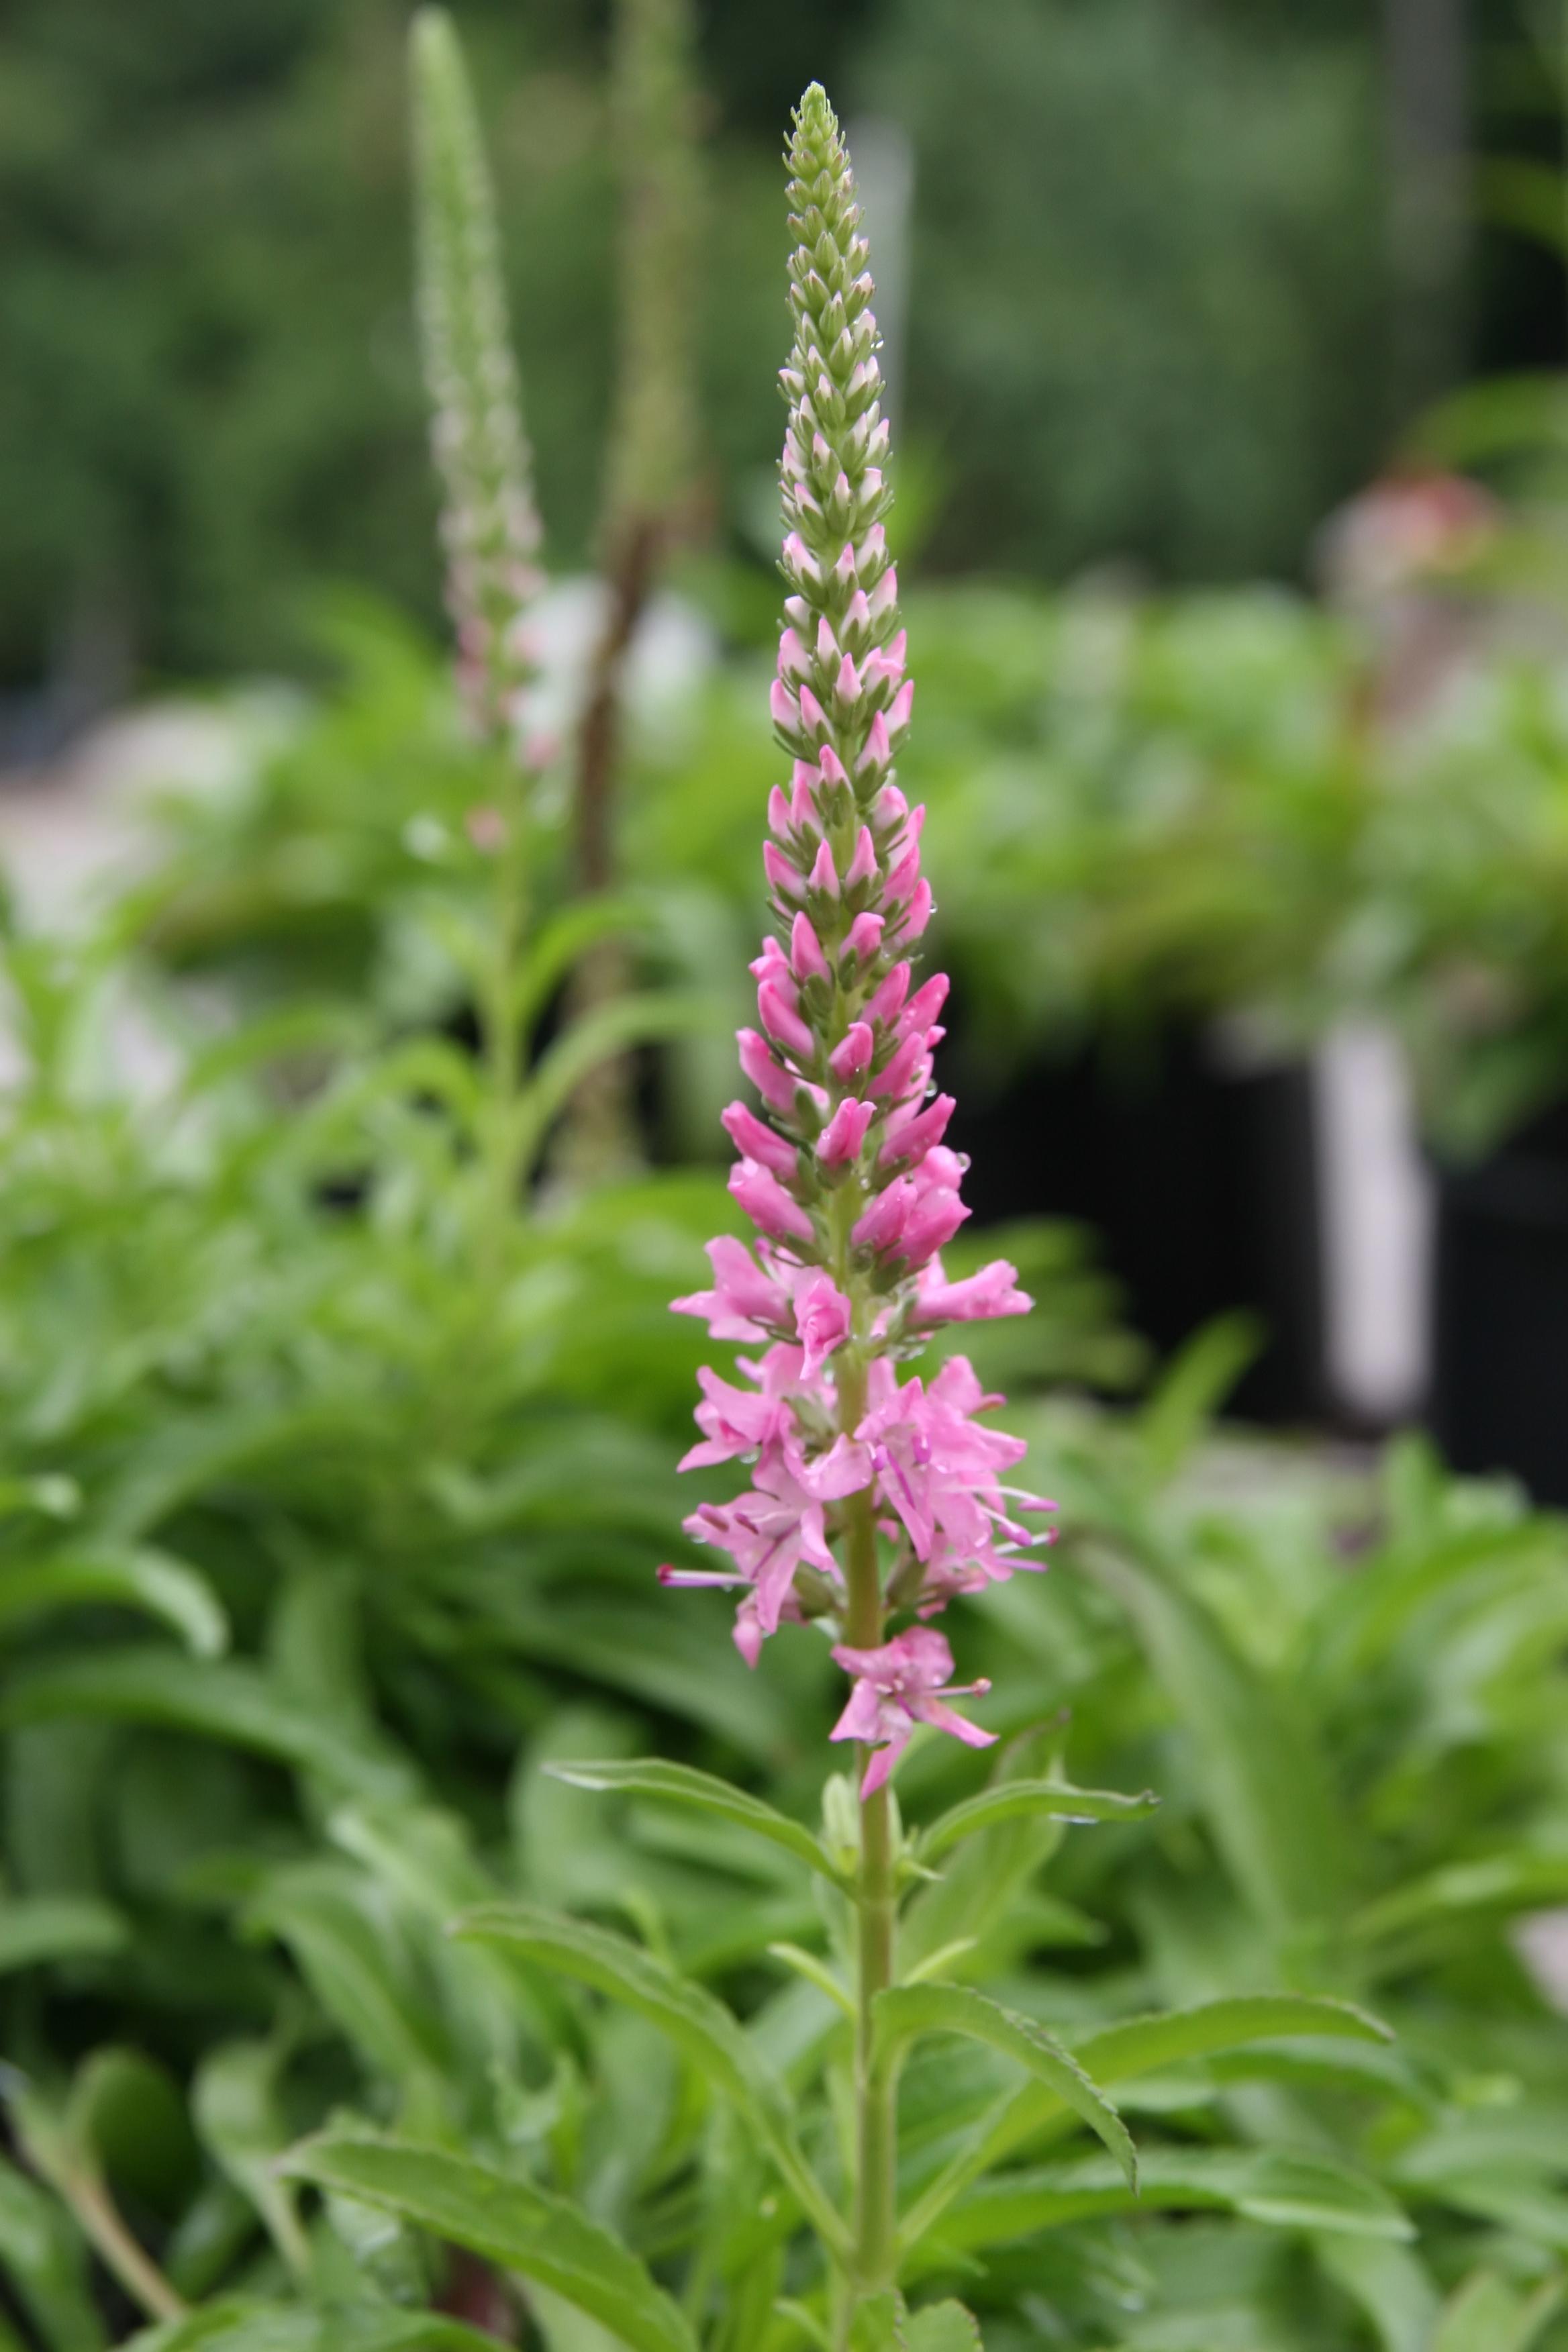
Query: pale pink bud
x=785 y=878
x=919 y=912
x=927 y=1002
x=864 y=936
x=783 y=706
x=843 y=570
x=783 y=1023
x=825 y=873
x=931 y=1224
x=863 y=865
x=844 y=1133
x=888 y=1002
x=757 y=1063
x=846 y=685
x=753 y=1141
x=878 y=751
x=851 y=1058
x=826 y=643
x=897 y=1080
x=884 y=595
x=806 y=959
x=794 y=659
x=767 y=1203
x=898 y=709
x=919 y=1131
x=798 y=557
x=883 y=1224
x=780 y=815
x=831 y=767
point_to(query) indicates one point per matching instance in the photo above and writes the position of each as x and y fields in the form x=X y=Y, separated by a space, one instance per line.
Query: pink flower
x=769 y=1533
x=824 y=1318
x=992 y=1291
x=767 y=1203
x=846 y=1131
x=905 y=1682
x=745 y=1303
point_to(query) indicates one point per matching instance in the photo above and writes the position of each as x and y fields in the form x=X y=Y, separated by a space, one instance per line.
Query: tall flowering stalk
x=490 y=524
x=874 y=1497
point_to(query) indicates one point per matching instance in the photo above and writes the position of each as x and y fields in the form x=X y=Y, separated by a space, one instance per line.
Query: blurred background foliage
x=210 y=393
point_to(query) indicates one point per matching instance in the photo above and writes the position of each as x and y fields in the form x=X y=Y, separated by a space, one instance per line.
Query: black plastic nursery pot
x=1499 y=1374
x=1195 y=1168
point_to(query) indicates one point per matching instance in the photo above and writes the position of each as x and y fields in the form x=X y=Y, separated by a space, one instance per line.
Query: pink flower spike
x=863 y=865
x=851 y=1058
x=775 y=1087
x=979 y=1296
x=864 y=936
x=755 y=1141
x=825 y=873
x=905 y=1682
x=783 y=1023
x=842 y=1137
x=823 y=1317
x=806 y=959
x=767 y=1205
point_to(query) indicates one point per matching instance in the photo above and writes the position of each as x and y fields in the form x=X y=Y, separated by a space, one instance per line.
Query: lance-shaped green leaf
x=679 y=1784
x=1139 y=2045
x=913 y=2009
x=1487 y=2316
x=1279 y=2189
x=129 y=1576
x=701 y=2026
x=508 y=2221
x=1056 y=1800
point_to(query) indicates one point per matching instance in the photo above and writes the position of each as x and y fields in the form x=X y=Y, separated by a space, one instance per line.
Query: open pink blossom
x=907 y=1681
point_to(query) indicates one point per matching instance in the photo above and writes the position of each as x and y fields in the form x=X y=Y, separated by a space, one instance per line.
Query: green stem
x=875 y=2221
x=503 y=1047
x=136 y=2270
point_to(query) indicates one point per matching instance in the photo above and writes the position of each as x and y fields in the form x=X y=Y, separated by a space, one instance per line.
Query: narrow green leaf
x=132 y=1576
x=609 y=1029
x=1519 y=1881
x=35 y=1927
x=679 y=1784
x=913 y=2009
x=236 y=2324
x=1011 y=1798
x=1276 y=2187
x=213 y=1700
x=1193 y=1387
x=508 y=2221
x=1141 y=2045
x=233 y=2105
x=699 y=2025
